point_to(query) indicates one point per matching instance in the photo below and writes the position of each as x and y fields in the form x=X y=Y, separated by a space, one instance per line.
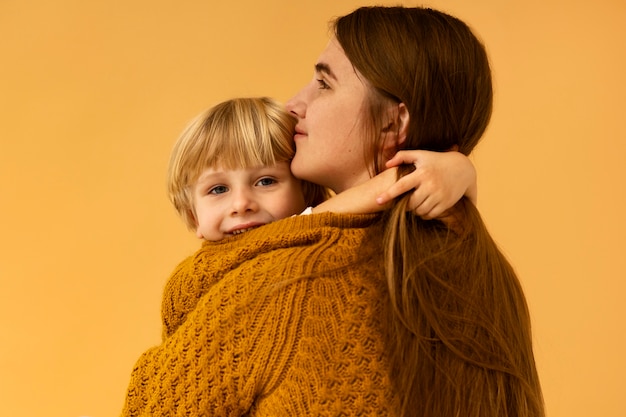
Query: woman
x=319 y=315
x=441 y=331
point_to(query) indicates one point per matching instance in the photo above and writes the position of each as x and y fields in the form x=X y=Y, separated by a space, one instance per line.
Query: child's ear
x=397 y=129
x=192 y=215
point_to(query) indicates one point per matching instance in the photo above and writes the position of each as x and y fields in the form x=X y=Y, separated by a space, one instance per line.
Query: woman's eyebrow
x=325 y=69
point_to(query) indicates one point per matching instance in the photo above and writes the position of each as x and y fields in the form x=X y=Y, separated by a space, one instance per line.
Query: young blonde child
x=229 y=173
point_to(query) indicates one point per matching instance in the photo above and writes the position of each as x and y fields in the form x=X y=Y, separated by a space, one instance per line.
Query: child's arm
x=440 y=180
x=361 y=198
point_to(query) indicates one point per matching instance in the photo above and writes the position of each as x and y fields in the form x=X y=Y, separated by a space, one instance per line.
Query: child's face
x=228 y=202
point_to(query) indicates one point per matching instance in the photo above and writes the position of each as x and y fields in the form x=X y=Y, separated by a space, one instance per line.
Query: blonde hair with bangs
x=235 y=134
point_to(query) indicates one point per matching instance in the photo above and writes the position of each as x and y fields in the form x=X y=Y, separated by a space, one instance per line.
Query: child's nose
x=243 y=201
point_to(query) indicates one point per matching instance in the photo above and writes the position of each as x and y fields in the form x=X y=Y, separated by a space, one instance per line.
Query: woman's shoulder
x=305 y=248
x=240 y=270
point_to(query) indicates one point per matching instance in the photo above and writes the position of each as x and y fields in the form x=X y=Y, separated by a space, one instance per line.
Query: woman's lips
x=299 y=132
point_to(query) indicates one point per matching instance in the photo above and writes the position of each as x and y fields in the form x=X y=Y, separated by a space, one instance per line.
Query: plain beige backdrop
x=94 y=93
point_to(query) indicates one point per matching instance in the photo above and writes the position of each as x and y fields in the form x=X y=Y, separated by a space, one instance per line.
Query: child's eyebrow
x=209 y=177
x=325 y=69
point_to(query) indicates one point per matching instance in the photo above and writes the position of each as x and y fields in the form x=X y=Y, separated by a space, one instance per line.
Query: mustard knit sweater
x=284 y=320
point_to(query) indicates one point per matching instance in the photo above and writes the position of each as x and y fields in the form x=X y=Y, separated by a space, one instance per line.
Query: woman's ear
x=403 y=122
x=397 y=129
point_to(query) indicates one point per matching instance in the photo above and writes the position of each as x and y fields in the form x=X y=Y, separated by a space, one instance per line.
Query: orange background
x=93 y=95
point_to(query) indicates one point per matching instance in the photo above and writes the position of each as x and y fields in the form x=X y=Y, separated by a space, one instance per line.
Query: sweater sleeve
x=232 y=348
x=257 y=341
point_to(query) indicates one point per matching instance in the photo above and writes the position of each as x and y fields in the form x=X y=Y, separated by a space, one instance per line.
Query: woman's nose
x=297 y=105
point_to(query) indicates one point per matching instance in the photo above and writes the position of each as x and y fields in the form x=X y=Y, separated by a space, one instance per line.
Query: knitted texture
x=284 y=320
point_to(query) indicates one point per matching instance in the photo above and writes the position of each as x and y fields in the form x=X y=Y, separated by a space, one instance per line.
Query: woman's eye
x=322 y=85
x=220 y=189
x=264 y=182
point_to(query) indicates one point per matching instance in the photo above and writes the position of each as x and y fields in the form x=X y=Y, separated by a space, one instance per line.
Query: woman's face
x=329 y=133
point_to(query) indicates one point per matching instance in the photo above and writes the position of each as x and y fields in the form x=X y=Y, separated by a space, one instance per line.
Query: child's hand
x=440 y=180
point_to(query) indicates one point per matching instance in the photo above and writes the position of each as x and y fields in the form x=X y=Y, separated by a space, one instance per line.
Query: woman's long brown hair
x=459 y=329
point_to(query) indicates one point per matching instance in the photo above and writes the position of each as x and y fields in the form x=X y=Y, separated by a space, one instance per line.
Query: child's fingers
x=401 y=186
x=428 y=211
x=403 y=157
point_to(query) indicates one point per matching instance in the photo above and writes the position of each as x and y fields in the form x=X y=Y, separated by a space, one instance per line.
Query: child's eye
x=322 y=85
x=264 y=182
x=219 y=189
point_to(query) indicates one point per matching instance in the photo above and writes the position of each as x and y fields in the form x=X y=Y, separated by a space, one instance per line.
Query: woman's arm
x=440 y=179
x=219 y=360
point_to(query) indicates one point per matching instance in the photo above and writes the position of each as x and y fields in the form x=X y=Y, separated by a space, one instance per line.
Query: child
x=230 y=173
